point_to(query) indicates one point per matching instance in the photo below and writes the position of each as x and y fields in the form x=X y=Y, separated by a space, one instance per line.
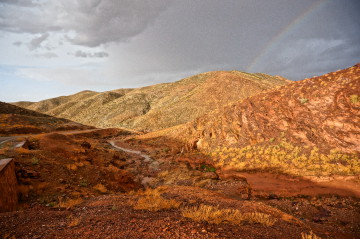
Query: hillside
x=17 y=120
x=232 y=172
x=158 y=106
x=307 y=127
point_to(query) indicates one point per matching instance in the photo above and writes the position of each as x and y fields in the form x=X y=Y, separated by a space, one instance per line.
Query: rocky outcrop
x=321 y=111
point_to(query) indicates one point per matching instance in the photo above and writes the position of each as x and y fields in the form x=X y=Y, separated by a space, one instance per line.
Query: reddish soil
x=44 y=184
x=264 y=184
x=56 y=167
x=113 y=217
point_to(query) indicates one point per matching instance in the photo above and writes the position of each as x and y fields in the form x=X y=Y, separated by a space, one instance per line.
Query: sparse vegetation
x=83 y=183
x=35 y=161
x=73 y=221
x=207 y=168
x=101 y=188
x=159 y=106
x=70 y=203
x=287 y=158
x=217 y=215
x=355 y=99
x=303 y=100
x=309 y=235
x=153 y=201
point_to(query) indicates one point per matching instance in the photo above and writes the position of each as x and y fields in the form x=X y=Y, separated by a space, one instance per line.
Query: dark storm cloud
x=326 y=40
x=296 y=39
x=84 y=22
x=159 y=40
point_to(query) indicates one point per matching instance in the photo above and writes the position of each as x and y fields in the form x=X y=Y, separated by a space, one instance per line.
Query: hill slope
x=158 y=106
x=17 y=120
x=312 y=125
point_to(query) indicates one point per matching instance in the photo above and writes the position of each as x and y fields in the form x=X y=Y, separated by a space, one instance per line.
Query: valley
x=258 y=157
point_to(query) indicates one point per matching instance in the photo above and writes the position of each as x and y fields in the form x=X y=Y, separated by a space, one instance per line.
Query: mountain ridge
x=158 y=106
x=306 y=127
x=18 y=120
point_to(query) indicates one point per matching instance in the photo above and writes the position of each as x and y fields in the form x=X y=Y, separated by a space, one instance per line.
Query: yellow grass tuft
x=309 y=235
x=216 y=215
x=73 y=222
x=70 y=203
x=153 y=201
x=101 y=188
x=287 y=158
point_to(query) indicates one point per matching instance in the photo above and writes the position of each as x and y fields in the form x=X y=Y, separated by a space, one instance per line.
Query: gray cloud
x=23 y=3
x=36 y=42
x=84 y=22
x=17 y=43
x=47 y=55
x=83 y=54
x=325 y=41
x=159 y=40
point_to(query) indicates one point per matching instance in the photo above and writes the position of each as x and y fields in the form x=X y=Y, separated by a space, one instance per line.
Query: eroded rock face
x=322 y=111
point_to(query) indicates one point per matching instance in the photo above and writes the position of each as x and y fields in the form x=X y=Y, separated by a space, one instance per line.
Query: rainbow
x=283 y=33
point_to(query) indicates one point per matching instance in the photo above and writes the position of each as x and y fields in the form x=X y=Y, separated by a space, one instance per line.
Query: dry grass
x=9 y=236
x=355 y=99
x=309 y=235
x=284 y=157
x=257 y=217
x=73 y=221
x=101 y=188
x=216 y=215
x=70 y=203
x=153 y=201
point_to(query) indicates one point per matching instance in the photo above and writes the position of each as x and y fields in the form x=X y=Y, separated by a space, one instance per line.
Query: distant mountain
x=158 y=106
x=311 y=125
x=17 y=120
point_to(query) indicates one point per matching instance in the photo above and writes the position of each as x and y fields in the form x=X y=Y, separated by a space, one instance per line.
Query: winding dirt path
x=146 y=157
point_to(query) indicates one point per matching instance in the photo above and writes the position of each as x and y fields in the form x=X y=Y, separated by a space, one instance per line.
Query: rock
x=86 y=145
x=147 y=181
x=31 y=144
x=273 y=196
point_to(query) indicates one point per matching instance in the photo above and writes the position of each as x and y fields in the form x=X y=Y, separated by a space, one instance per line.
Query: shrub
x=207 y=168
x=83 y=183
x=35 y=161
x=303 y=100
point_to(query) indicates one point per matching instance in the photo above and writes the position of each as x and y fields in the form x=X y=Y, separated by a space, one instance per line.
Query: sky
x=59 y=47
